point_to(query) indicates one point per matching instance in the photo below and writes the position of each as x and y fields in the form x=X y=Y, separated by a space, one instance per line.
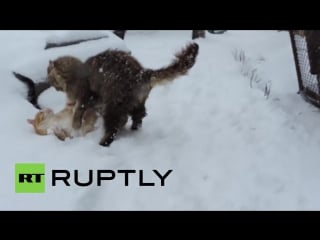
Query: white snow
x=230 y=147
x=64 y=35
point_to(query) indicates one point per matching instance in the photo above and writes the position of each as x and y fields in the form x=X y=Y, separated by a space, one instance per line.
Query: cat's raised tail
x=184 y=60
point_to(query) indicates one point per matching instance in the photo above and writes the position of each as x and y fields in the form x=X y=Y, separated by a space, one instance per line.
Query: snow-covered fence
x=309 y=86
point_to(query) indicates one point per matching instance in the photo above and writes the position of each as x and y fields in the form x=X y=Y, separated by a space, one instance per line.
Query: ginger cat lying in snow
x=60 y=124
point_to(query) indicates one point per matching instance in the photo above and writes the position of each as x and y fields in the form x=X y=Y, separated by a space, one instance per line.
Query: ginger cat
x=47 y=122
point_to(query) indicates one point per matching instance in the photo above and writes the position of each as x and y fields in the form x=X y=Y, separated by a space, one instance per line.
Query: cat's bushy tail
x=184 y=60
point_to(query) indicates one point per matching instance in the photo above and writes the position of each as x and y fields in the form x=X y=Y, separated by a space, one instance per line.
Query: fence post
x=120 y=33
x=296 y=60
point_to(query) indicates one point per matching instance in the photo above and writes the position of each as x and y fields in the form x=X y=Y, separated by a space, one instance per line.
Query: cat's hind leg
x=113 y=122
x=137 y=115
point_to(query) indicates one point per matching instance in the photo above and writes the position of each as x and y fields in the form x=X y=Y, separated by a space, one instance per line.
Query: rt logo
x=30 y=178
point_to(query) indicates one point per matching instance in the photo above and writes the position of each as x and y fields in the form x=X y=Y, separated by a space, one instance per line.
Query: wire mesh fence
x=309 y=84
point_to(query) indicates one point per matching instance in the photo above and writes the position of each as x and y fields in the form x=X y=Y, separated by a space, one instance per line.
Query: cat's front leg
x=61 y=134
x=77 y=116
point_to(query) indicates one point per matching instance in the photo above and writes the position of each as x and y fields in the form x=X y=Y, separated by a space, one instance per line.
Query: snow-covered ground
x=230 y=147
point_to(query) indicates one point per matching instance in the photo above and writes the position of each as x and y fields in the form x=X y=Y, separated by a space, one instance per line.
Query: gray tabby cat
x=115 y=84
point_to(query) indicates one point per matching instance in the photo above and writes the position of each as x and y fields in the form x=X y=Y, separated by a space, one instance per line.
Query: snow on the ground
x=230 y=147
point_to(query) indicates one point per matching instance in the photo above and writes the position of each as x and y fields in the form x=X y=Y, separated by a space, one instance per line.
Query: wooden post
x=198 y=34
x=120 y=33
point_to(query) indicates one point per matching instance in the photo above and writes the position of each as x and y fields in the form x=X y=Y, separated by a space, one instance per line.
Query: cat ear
x=51 y=64
x=31 y=121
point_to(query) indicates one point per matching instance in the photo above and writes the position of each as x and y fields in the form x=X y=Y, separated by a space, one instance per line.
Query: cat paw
x=106 y=141
x=136 y=126
x=60 y=134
